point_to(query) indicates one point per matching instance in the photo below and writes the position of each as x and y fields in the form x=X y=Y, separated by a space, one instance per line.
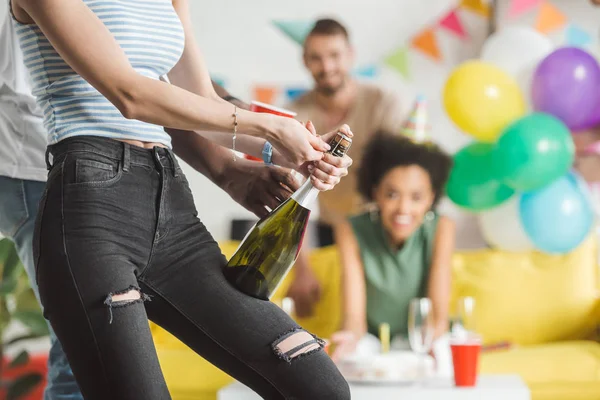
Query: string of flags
x=548 y=19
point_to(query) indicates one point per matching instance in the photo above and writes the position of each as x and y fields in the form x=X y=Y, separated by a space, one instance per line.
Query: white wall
x=240 y=44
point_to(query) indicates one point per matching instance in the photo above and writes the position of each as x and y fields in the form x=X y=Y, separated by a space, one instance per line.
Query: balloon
x=482 y=99
x=533 y=151
x=566 y=84
x=557 y=217
x=517 y=51
x=471 y=184
x=502 y=227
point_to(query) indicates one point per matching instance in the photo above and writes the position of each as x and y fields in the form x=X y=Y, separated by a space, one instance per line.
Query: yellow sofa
x=546 y=306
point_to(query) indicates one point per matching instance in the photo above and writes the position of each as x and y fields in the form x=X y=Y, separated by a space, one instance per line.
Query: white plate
x=380 y=381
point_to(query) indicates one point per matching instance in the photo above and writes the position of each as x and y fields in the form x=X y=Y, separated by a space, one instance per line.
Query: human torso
x=150 y=34
x=392 y=276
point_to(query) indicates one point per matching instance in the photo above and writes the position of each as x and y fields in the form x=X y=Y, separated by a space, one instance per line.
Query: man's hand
x=256 y=186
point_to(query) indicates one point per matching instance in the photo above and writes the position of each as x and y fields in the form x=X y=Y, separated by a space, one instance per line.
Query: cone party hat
x=416 y=127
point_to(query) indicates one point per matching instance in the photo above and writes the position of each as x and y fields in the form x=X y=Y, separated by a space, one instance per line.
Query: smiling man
x=338 y=98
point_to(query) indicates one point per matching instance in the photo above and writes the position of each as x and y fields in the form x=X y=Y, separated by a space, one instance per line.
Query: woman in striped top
x=117 y=238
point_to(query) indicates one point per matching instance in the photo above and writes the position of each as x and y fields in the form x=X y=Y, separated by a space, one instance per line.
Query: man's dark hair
x=329 y=27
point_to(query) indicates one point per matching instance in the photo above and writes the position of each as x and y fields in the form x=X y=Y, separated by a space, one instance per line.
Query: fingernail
x=311 y=168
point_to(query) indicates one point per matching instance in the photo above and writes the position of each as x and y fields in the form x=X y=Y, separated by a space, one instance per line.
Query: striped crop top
x=151 y=35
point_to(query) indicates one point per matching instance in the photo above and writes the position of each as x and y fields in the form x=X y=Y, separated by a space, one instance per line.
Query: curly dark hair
x=386 y=151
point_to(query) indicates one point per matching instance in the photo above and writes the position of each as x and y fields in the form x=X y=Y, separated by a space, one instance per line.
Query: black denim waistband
x=128 y=154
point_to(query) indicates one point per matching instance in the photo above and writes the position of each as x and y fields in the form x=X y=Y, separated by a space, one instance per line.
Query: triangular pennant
x=368 y=71
x=427 y=43
x=265 y=94
x=575 y=36
x=295 y=30
x=294 y=93
x=519 y=7
x=453 y=23
x=477 y=6
x=398 y=60
x=218 y=81
x=549 y=18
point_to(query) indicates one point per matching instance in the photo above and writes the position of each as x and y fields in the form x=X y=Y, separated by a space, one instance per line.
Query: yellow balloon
x=482 y=99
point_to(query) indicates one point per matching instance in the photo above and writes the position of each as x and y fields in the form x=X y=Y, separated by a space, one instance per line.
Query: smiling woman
x=399 y=250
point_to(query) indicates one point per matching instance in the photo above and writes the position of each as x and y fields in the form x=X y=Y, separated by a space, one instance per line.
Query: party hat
x=416 y=127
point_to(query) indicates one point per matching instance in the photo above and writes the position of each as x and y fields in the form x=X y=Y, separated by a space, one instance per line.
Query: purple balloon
x=592 y=122
x=566 y=84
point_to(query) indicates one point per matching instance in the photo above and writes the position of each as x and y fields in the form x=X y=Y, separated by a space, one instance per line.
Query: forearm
x=246 y=144
x=439 y=293
x=170 y=106
x=354 y=321
x=206 y=157
x=107 y=68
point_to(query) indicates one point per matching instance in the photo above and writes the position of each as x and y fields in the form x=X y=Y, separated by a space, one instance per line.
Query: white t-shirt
x=23 y=139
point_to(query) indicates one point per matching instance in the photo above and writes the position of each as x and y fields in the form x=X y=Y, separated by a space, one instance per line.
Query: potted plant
x=20 y=378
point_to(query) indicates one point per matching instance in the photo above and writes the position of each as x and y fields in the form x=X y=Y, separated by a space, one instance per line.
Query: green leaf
x=20 y=360
x=9 y=259
x=26 y=301
x=18 y=339
x=8 y=286
x=22 y=386
x=34 y=321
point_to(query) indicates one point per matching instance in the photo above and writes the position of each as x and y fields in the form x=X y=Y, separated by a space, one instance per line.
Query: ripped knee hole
x=295 y=344
x=129 y=296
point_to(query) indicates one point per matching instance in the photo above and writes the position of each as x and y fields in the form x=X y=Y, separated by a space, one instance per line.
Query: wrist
x=258 y=124
x=267 y=153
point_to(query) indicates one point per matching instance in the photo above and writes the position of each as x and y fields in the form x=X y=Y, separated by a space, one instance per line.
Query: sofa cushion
x=570 y=361
x=530 y=298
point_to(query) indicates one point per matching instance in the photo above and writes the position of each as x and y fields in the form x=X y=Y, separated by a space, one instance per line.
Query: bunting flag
x=575 y=36
x=368 y=71
x=453 y=23
x=295 y=30
x=398 y=60
x=480 y=7
x=550 y=18
x=264 y=94
x=427 y=43
x=218 y=81
x=520 y=7
x=294 y=93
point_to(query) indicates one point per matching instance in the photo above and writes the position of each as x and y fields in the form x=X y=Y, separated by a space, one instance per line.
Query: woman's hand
x=327 y=172
x=344 y=343
x=296 y=143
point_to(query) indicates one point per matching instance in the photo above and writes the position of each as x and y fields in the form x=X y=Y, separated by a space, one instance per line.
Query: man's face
x=329 y=59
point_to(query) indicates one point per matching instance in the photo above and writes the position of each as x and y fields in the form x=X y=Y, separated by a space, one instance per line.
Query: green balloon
x=472 y=183
x=533 y=151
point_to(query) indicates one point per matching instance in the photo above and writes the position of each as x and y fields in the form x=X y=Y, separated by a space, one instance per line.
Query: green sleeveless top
x=393 y=277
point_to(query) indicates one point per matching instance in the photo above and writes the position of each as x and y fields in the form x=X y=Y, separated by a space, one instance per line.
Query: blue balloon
x=559 y=216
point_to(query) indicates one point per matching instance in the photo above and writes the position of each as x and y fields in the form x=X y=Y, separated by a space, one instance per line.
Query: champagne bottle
x=271 y=247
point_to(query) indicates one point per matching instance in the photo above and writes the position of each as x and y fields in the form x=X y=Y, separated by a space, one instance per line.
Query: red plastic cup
x=465 y=359
x=257 y=106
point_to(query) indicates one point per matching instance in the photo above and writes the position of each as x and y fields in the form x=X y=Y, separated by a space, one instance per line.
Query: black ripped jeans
x=119 y=219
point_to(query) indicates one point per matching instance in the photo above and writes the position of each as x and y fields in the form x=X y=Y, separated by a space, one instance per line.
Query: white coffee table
x=489 y=387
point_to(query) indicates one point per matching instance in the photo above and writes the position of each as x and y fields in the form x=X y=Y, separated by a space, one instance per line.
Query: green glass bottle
x=271 y=247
